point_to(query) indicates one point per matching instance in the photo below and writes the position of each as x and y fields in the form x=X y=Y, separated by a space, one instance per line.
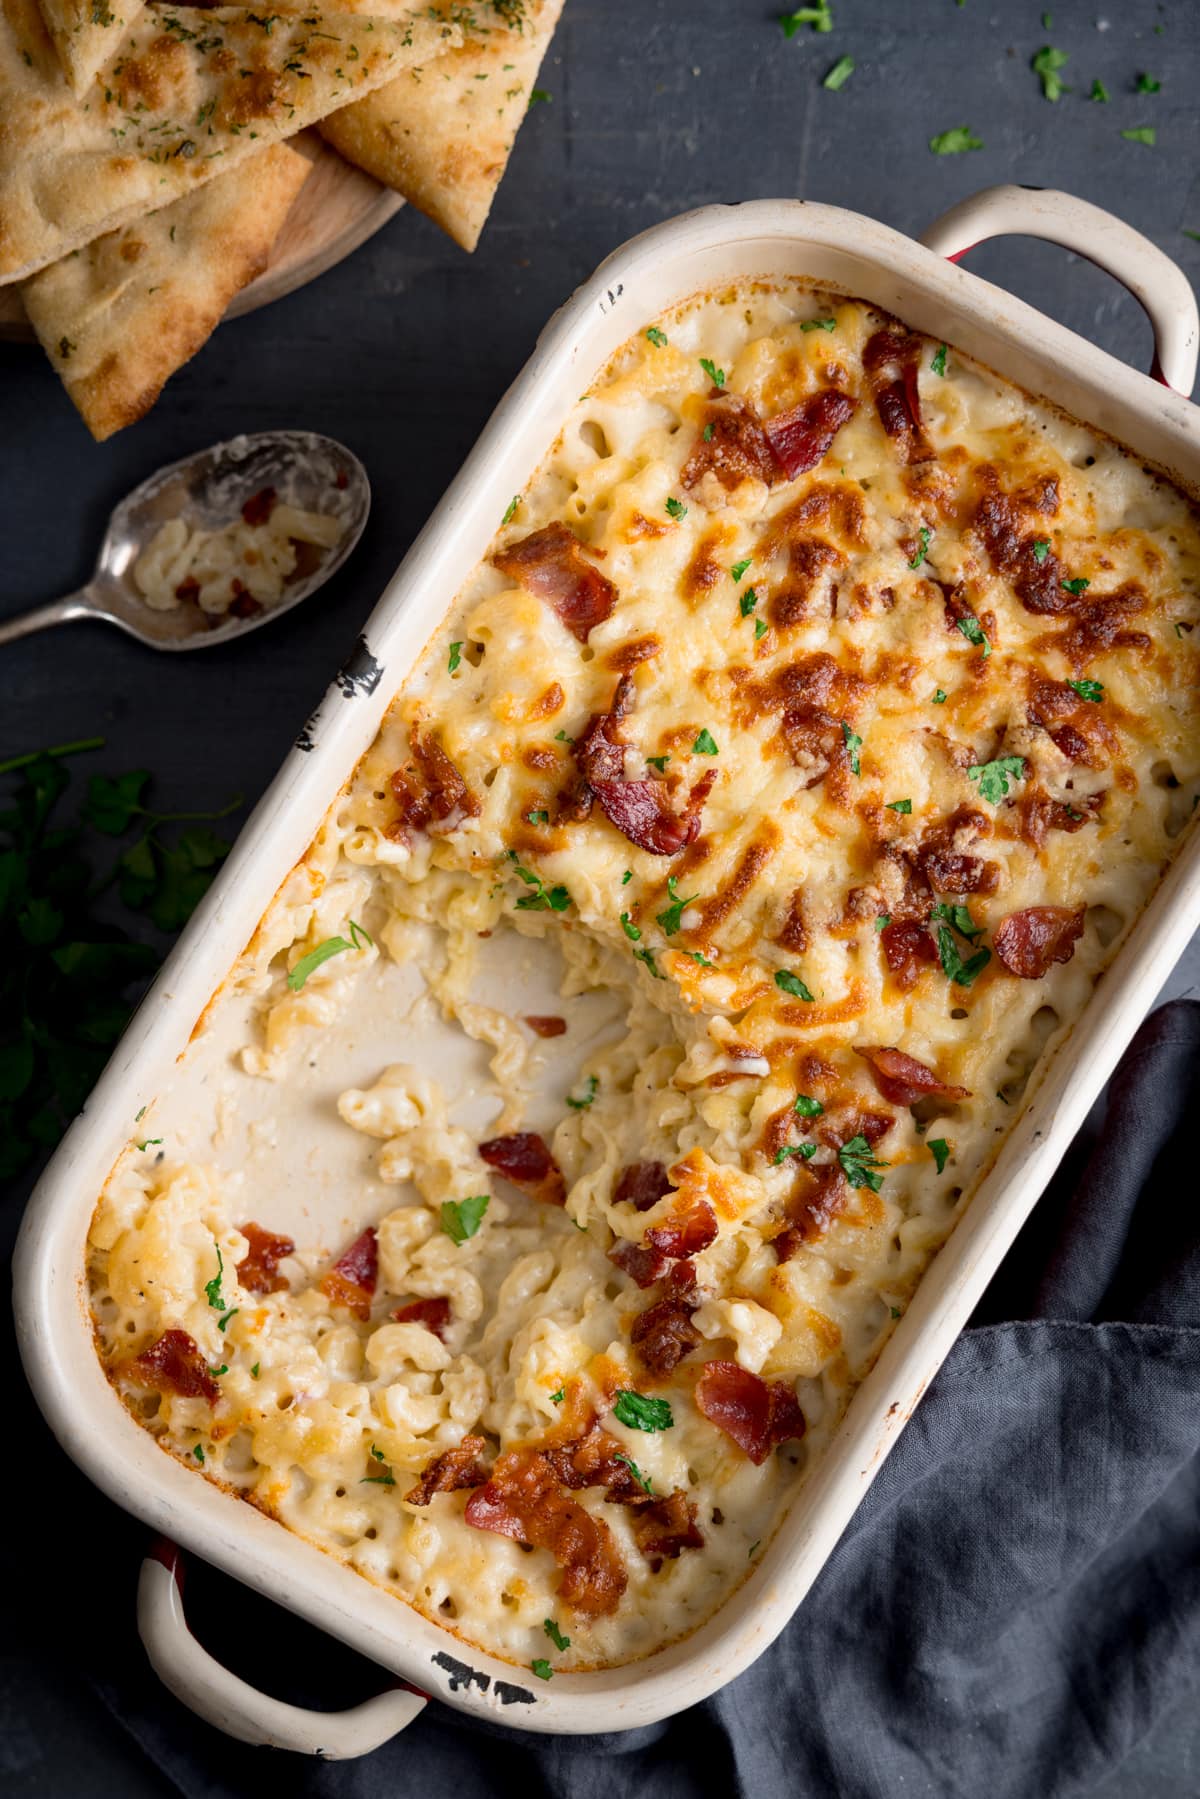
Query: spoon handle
x=58 y=612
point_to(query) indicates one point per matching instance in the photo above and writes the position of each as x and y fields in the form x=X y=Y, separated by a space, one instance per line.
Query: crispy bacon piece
x=903 y=1080
x=259 y=507
x=351 y=1280
x=173 y=1364
x=546 y=1025
x=890 y=359
x=550 y=563
x=643 y=1265
x=642 y=1185
x=524 y=1500
x=524 y=1159
x=814 y=741
x=801 y=438
x=942 y=860
x=258 y=1271
x=1028 y=942
x=733 y=446
x=434 y=1314
x=664 y=1528
x=430 y=792
x=641 y=810
x=450 y=1471
x=907 y=946
x=841 y=1123
x=664 y=1333
x=819 y=1197
x=1037 y=814
x=687 y=1234
x=1000 y=520
x=756 y=1414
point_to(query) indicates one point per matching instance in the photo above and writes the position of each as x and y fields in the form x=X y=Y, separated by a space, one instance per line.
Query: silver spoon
x=208 y=490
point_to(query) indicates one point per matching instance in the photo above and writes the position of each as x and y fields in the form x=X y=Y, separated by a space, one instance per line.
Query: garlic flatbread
x=190 y=94
x=441 y=135
x=119 y=317
x=87 y=34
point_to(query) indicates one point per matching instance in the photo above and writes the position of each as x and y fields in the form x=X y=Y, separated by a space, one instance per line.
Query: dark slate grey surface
x=658 y=105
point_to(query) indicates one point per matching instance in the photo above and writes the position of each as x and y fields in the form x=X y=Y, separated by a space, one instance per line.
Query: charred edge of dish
x=307 y=740
x=360 y=674
x=461 y=1674
x=507 y=1694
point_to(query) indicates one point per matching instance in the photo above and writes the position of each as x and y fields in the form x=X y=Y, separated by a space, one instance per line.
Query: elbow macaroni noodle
x=325 y=1419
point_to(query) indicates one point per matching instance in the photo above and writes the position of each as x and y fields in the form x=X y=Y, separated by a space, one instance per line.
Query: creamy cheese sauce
x=942 y=677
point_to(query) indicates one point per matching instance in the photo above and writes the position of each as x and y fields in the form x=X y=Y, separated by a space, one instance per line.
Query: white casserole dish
x=919 y=283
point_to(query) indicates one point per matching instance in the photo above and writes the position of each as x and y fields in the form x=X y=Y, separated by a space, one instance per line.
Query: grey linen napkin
x=1018 y=1597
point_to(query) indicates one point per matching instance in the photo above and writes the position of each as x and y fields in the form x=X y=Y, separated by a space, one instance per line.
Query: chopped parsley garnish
x=332 y=946
x=739 y=568
x=224 y=1323
x=818 y=324
x=646 y=956
x=840 y=74
x=791 y=983
x=255 y=1370
x=953 y=967
x=883 y=921
x=636 y=1472
x=895 y=1311
x=747 y=602
x=657 y=338
x=705 y=744
x=557 y=1398
x=218 y=1372
x=861 y=1165
x=708 y=432
x=630 y=929
x=939 y=1149
x=1041 y=549
x=538 y=818
x=760 y=628
x=955 y=141
x=695 y=956
x=212 y=1288
x=973 y=631
x=562 y=737
x=198 y=1452
x=538 y=96
x=923 y=536
x=455 y=657
x=1141 y=134
x=1146 y=84
x=939 y=698
x=904 y=806
x=671 y=918
x=543 y=898
x=147 y=1141
x=1088 y=690
x=542 y=1667
x=591 y=1086
x=461 y=1218
x=676 y=508
x=639 y=1413
x=853 y=744
x=959 y=917
x=715 y=375
x=386 y=1479
x=805 y=1150
x=1046 y=63
x=820 y=17
x=993 y=777
x=511 y=509
x=807 y=1106
x=1079 y=585
x=658 y=762
x=1099 y=91
x=938 y=364
x=555 y=1635
x=752 y=1548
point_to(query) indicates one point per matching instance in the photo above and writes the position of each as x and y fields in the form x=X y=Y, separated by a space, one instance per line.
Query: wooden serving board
x=338 y=208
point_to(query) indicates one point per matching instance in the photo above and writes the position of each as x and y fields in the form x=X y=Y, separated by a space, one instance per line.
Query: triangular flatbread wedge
x=441 y=135
x=119 y=317
x=87 y=34
x=190 y=94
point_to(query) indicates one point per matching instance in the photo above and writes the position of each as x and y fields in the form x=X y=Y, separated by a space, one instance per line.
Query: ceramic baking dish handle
x=1151 y=277
x=231 y=1704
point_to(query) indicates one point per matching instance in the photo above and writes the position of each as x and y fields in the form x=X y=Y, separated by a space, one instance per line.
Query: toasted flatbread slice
x=86 y=34
x=442 y=135
x=121 y=315
x=190 y=94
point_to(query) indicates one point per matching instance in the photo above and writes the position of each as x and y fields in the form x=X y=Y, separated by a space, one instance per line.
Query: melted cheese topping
x=829 y=819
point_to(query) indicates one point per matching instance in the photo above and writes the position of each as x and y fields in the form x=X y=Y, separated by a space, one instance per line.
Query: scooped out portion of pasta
x=823 y=714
